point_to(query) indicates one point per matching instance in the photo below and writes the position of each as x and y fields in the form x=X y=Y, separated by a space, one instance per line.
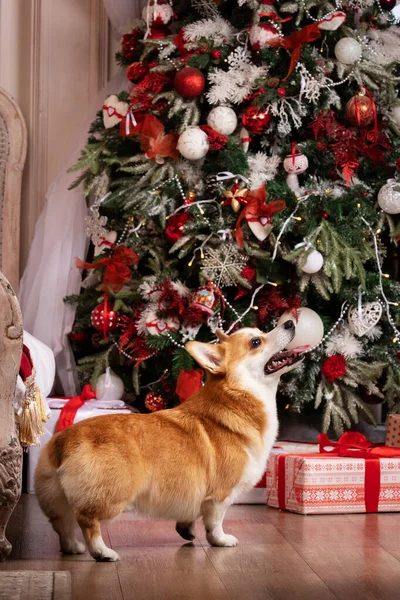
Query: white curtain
x=59 y=236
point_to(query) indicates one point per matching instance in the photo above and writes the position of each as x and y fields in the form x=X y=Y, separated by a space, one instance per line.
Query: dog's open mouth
x=284 y=358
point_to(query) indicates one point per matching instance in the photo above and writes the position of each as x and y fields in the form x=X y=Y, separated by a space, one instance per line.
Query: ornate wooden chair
x=13 y=142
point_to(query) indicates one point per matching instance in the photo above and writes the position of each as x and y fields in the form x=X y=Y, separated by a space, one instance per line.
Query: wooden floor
x=281 y=556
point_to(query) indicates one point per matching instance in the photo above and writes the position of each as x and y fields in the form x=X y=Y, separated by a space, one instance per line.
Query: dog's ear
x=221 y=335
x=209 y=356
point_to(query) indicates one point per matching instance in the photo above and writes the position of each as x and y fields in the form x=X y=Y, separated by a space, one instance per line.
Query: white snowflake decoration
x=95 y=226
x=262 y=168
x=238 y=81
x=221 y=263
x=343 y=342
x=218 y=30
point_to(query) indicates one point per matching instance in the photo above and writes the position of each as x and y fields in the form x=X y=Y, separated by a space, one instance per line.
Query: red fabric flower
x=174 y=230
x=180 y=42
x=129 y=41
x=215 y=139
x=137 y=70
x=334 y=367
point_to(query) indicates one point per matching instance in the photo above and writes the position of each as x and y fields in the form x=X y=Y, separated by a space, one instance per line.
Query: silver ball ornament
x=389 y=197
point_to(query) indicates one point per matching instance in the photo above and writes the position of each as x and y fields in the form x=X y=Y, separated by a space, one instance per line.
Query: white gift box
x=91 y=408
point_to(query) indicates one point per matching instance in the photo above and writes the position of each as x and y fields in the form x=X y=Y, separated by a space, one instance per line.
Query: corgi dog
x=180 y=464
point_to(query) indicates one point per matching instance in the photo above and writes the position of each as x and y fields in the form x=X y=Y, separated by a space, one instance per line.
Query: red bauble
x=137 y=70
x=360 y=111
x=255 y=120
x=388 y=4
x=281 y=92
x=216 y=54
x=189 y=82
x=104 y=318
x=176 y=223
x=153 y=403
x=334 y=367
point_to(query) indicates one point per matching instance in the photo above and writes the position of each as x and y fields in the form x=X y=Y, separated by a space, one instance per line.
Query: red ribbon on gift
x=256 y=209
x=351 y=445
x=189 y=382
x=68 y=412
x=295 y=42
x=117 y=265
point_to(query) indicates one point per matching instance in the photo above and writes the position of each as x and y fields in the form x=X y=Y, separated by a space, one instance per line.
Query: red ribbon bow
x=295 y=42
x=117 y=265
x=68 y=412
x=256 y=209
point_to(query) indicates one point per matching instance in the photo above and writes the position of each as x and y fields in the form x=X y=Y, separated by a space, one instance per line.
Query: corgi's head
x=249 y=353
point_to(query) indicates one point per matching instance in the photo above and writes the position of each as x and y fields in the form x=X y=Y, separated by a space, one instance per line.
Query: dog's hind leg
x=92 y=533
x=187 y=531
x=213 y=516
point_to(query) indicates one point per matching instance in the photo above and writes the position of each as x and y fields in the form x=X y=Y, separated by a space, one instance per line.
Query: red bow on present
x=189 y=382
x=256 y=209
x=117 y=265
x=295 y=42
x=355 y=445
x=68 y=412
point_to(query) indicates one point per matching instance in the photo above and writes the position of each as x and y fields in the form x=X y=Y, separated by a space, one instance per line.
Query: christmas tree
x=247 y=175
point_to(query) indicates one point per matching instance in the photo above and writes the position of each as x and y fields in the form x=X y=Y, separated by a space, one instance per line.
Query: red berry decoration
x=281 y=92
x=189 y=82
x=104 y=318
x=216 y=54
x=153 y=403
x=256 y=120
x=325 y=214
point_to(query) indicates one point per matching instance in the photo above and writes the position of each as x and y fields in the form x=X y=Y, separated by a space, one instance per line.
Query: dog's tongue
x=299 y=349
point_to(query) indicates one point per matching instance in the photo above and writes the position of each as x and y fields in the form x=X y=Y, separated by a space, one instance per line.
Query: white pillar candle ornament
x=348 y=51
x=109 y=386
x=309 y=327
x=193 y=143
x=113 y=111
x=222 y=119
x=245 y=139
x=389 y=197
x=314 y=262
x=295 y=164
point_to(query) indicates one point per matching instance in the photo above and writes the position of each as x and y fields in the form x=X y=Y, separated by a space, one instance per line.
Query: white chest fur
x=258 y=453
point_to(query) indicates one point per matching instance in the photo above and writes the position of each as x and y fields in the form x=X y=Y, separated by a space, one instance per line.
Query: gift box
x=258 y=494
x=350 y=476
x=92 y=408
x=393 y=431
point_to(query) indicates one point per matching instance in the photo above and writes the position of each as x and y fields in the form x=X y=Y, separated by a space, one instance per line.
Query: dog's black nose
x=288 y=324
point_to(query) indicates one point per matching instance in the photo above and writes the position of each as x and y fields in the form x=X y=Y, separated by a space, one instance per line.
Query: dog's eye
x=255 y=342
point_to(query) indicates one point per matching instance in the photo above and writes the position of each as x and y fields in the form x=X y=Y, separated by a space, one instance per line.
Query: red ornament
x=387 y=4
x=129 y=41
x=216 y=54
x=261 y=34
x=157 y=33
x=325 y=214
x=104 y=318
x=334 y=367
x=137 y=70
x=215 y=139
x=206 y=300
x=175 y=227
x=189 y=82
x=255 y=120
x=78 y=337
x=154 y=403
x=281 y=92
x=157 y=14
x=360 y=111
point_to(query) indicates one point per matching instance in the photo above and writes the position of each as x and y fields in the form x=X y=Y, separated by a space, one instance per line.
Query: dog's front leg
x=213 y=514
x=187 y=531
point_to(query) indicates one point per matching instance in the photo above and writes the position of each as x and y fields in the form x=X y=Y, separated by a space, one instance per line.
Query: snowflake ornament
x=95 y=226
x=220 y=265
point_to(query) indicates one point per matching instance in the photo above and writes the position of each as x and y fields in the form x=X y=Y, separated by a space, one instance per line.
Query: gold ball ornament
x=360 y=111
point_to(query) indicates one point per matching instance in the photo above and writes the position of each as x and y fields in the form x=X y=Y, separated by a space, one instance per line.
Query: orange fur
x=176 y=464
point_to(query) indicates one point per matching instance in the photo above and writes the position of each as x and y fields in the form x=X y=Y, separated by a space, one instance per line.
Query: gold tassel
x=30 y=420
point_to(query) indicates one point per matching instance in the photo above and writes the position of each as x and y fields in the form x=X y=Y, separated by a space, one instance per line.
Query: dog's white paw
x=107 y=556
x=225 y=541
x=73 y=547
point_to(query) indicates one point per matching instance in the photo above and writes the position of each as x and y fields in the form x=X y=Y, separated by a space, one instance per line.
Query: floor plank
x=281 y=556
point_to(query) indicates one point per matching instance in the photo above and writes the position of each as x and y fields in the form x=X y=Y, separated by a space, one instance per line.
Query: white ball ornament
x=389 y=197
x=313 y=263
x=222 y=119
x=309 y=327
x=348 y=51
x=395 y=113
x=109 y=386
x=157 y=14
x=193 y=143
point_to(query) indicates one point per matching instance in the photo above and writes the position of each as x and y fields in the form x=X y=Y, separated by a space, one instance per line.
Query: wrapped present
x=349 y=476
x=393 y=431
x=258 y=494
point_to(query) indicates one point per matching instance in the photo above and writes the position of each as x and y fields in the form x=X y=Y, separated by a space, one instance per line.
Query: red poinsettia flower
x=154 y=143
x=334 y=367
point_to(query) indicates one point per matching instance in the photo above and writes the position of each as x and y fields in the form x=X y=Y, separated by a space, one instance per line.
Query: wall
x=54 y=59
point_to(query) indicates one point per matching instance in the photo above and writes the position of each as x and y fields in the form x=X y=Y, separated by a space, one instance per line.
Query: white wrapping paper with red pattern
x=323 y=484
x=393 y=431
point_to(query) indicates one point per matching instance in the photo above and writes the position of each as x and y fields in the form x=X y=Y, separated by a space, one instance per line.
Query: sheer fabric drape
x=59 y=236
